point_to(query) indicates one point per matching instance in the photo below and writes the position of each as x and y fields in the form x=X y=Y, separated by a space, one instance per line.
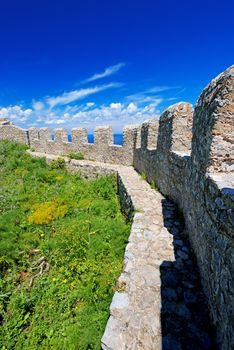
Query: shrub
x=58 y=163
x=76 y=155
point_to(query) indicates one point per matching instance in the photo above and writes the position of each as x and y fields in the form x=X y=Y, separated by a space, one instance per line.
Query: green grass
x=143 y=176
x=81 y=234
x=154 y=186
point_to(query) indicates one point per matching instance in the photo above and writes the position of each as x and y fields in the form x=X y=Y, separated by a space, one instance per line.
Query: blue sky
x=69 y=63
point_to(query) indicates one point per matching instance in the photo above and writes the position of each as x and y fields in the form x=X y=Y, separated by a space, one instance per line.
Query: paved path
x=135 y=310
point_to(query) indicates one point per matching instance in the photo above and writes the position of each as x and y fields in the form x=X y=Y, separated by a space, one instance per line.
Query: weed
x=58 y=163
x=76 y=155
x=154 y=186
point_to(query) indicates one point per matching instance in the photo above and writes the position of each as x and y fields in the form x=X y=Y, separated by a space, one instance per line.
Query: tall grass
x=73 y=225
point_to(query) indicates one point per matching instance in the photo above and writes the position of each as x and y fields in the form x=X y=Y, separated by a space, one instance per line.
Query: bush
x=58 y=163
x=76 y=155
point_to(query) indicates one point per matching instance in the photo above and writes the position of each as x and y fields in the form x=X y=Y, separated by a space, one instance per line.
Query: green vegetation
x=58 y=163
x=62 y=241
x=154 y=186
x=76 y=155
x=143 y=176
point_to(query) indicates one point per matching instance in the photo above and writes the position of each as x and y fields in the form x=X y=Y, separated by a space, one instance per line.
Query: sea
x=118 y=139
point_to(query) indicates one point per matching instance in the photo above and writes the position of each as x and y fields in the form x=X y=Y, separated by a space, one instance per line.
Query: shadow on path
x=184 y=313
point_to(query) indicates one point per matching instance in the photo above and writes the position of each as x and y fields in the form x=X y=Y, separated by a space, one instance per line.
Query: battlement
x=193 y=164
x=103 y=149
x=189 y=155
x=205 y=133
x=4 y=121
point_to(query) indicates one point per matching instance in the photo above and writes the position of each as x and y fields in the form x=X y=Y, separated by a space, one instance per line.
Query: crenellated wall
x=13 y=133
x=193 y=164
x=103 y=148
x=189 y=155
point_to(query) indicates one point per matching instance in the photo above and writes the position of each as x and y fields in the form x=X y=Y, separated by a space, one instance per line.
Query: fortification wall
x=193 y=164
x=189 y=155
x=13 y=133
x=102 y=149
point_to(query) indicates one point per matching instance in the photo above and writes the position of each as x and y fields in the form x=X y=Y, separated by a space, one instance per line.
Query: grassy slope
x=67 y=307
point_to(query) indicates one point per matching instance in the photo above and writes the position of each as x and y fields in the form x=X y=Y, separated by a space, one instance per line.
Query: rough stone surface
x=202 y=184
x=13 y=133
x=4 y=121
x=103 y=149
x=213 y=127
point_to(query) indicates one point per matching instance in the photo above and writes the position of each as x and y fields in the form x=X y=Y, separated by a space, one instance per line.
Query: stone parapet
x=13 y=133
x=213 y=126
x=103 y=149
x=198 y=176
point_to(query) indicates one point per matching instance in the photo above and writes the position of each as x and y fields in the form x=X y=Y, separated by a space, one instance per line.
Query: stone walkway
x=136 y=308
x=158 y=303
x=184 y=312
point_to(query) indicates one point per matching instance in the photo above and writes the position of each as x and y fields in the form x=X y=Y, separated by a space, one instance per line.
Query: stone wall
x=189 y=156
x=5 y=121
x=102 y=149
x=13 y=133
x=196 y=170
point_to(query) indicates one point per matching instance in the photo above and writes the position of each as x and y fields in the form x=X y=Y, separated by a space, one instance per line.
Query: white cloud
x=107 y=72
x=61 y=110
x=71 y=96
x=141 y=98
x=90 y=104
x=116 y=114
x=55 y=121
x=132 y=107
x=150 y=95
x=156 y=89
x=38 y=105
x=115 y=105
x=16 y=113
